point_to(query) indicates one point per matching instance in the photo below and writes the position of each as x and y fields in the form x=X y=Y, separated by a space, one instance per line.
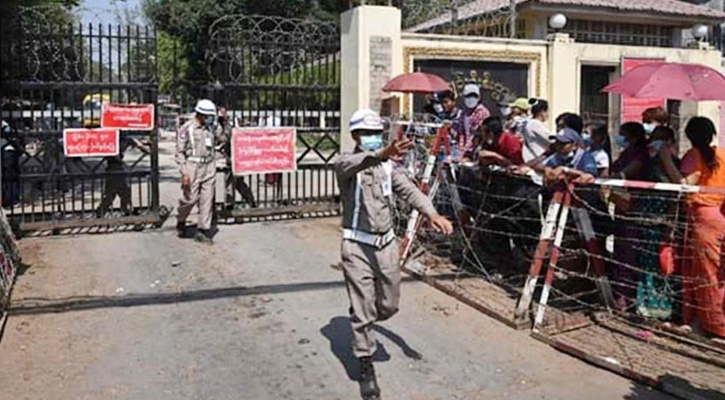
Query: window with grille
x=619 y=33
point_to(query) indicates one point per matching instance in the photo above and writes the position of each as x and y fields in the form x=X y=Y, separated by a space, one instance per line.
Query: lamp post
x=557 y=22
x=700 y=32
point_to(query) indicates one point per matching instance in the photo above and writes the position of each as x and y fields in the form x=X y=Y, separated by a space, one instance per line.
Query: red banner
x=128 y=117
x=632 y=108
x=99 y=142
x=263 y=150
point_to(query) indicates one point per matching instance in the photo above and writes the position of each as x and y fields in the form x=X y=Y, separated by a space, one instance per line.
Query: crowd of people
x=642 y=274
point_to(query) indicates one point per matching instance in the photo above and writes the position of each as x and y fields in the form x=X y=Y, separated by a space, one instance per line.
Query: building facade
x=567 y=66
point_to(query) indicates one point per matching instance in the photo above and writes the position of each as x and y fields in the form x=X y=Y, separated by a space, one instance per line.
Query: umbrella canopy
x=417 y=82
x=689 y=82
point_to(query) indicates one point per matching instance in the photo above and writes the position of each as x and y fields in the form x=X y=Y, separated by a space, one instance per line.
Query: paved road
x=258 y=316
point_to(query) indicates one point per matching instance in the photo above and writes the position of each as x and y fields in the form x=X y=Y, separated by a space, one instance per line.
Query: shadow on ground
x=339 y=332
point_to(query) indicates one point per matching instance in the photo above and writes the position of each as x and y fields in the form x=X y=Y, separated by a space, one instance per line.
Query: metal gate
x=54 y=75
x=274 y=71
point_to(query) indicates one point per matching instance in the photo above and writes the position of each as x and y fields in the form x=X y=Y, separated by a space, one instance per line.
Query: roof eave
x=671 y=18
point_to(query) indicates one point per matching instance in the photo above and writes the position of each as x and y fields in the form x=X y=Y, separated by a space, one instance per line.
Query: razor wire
x=500 y=217
x=460 y=17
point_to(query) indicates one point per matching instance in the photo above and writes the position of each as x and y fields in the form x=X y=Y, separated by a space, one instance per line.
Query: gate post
x=371 y=54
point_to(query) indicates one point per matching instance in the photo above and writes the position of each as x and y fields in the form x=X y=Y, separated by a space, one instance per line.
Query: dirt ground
x=260 y=315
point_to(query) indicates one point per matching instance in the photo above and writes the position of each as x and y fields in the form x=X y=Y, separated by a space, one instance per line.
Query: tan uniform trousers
x=372 y=277
x=201 y=192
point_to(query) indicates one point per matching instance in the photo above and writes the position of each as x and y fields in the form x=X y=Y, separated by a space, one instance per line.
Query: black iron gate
x=56 y=74
x=273 y=71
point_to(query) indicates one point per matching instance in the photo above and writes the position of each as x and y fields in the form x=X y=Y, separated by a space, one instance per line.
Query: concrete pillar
x=563 y=76
x=371 y=54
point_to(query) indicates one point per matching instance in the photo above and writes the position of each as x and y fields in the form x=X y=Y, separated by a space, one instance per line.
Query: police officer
x=369 y=181
x=231 y=182
x=195 y=157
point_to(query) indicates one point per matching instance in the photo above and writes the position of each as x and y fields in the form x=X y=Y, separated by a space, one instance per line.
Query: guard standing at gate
x=195 y=157
x=232 y=183
x=368 y=181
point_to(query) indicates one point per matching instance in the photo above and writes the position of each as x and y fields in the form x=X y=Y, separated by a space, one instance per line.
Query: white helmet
x=366 y=119
x=205 y=107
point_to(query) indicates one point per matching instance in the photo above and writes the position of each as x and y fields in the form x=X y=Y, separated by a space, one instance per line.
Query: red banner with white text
x=99 y=142
x=263 y=150
x=129 y=117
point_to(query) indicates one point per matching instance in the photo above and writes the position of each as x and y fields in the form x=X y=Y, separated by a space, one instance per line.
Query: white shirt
x=601 y=157
x=536 y=139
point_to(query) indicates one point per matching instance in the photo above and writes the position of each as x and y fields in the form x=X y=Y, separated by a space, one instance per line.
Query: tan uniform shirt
x=193 y=140
x=366 y=190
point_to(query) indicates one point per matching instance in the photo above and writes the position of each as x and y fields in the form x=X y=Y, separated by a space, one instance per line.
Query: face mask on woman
x=621 y=141
x=588 y=141
x=438 y=108
x=471 y=102
x=371 y=142
x=649 y=128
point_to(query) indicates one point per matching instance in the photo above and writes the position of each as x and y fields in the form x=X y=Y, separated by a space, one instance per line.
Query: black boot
x=181 y=229
x=203 y=236
x=369 y=389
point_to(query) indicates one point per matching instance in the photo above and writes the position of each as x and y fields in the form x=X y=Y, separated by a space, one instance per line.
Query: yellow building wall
x=567 y=58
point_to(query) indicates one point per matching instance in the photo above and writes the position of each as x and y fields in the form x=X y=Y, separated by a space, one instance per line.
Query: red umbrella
x=417 y=82
x=672 y=81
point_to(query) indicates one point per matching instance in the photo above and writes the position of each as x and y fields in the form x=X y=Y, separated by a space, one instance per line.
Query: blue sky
x=108 y=11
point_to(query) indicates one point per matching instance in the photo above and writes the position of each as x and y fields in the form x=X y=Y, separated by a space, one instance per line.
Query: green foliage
x=188 y=22
x=171 y=67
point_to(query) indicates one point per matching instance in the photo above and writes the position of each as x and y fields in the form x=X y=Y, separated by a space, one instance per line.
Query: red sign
x=632 y=108
x=99 y=142
x=263 y=150
x=128 y=117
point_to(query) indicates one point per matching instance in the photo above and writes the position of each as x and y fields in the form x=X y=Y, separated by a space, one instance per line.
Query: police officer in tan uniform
x=195 y=157
x=231 y=182
x=369 y=182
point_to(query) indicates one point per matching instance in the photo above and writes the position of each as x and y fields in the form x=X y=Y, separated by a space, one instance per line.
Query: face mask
x=209 y=122
x=621 y=141
x=649 y=128
x=587 y=139
x=654 y=147
x=471 y=102
x=438 y=108
x=371 y=142
x=506 y=111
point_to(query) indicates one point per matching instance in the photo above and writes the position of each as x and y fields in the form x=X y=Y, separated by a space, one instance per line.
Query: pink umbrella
x=417 y=82
x=672 y=81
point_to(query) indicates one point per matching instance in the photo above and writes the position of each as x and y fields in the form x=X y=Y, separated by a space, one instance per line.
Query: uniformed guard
x=195 y=157
x=232 y=183
x=369 y=180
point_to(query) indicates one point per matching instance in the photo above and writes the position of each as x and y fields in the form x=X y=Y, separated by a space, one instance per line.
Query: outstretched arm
x=406 y=190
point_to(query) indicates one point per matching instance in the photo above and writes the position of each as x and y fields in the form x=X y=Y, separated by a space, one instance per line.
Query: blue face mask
x=210 y=122
x=371 y=142
x=588 y=141
x=621 y=141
